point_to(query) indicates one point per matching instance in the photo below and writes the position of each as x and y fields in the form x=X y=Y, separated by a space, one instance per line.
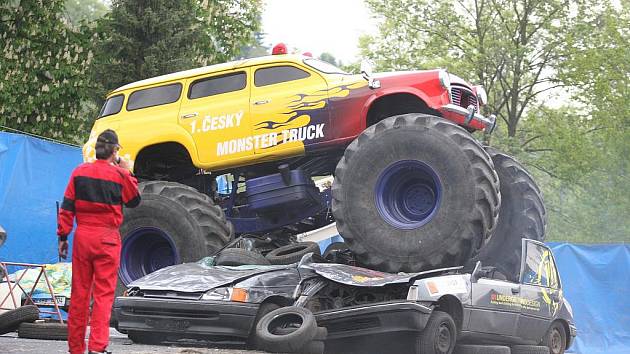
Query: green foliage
x=329 y=58
x=77 y=11
x=43 y=70
x=141 y=39
x=509 y=46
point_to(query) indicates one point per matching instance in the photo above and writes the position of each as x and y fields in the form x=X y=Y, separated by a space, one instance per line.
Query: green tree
x=509 y=46
x=43 y=70
x=329 y=58
x=141 y=39
x=77 y=11
x=575 y=145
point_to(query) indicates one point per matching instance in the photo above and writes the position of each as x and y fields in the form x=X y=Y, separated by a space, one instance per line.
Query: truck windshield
x=323 y=66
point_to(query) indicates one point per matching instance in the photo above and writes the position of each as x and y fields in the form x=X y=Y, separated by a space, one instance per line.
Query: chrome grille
x=463 y=97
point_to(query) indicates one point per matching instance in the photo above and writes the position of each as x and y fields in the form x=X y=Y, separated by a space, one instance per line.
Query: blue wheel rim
x=144 y=251
x=408 y=194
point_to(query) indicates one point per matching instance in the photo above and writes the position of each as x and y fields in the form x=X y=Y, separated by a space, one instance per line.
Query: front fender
x=431 y=102
x=160 y=133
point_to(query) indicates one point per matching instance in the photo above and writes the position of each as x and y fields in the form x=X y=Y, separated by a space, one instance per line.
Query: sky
x=318 y=26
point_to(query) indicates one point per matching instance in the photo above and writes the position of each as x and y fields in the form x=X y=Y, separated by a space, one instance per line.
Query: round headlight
x=482 y=95
x=445 y=79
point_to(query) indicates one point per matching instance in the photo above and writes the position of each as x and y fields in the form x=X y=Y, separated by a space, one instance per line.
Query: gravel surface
x=119 y=343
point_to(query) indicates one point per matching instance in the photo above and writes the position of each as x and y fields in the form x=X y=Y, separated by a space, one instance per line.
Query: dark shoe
x=103 y=352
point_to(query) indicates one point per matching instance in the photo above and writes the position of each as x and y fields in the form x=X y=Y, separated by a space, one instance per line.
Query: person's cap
x=109 y=137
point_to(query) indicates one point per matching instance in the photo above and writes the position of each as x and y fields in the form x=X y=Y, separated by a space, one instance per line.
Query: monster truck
x=233 y=149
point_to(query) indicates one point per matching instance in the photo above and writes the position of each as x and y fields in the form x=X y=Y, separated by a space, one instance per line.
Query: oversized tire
x=481 y=349
x=529 y=349
x=52 y=330
x=522 y=215
x=438 y=336
x=414 y=192
x=173 y=224
x=270 y=339
x=239 y=256
x=292 y=253
x=10 y=320
x=555 y=339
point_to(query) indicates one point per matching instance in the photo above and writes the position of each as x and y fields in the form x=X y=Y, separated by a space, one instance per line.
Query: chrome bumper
x=488 y=122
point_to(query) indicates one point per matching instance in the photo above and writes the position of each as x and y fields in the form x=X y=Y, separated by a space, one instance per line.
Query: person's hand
x=124 y=163
x=63 y=249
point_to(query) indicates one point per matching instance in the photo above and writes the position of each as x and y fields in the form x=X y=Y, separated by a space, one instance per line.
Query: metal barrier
x=29 y=294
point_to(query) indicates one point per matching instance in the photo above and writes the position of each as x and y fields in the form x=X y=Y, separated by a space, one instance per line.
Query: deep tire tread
x=208 y=216
x=487 y=194
x=523 y=215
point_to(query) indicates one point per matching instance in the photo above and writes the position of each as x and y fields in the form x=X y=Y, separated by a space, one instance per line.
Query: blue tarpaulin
x=34 y=173
x=596 y=280
x=33 y=176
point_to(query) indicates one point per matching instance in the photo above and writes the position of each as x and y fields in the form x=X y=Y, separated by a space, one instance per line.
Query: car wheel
x=271 y=334
x=481 y=349
x=439 y=335
x=415 y=192
x=10 y=320
x=52 y=330
x=529 y=349
x=555 y=339
x=265 y=308
x=292 y=253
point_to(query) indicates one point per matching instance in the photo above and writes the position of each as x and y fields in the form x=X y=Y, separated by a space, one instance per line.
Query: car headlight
x=482 y=95
x=226 y=294
x=445 y=79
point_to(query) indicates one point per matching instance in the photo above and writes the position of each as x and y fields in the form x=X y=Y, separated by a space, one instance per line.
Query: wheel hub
x=556 y=339
x=408 y=194
x=144 y=251
x=443 y=339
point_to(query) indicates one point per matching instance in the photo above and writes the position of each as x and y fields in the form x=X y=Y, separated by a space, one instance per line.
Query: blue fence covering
x=34 y=173
x=33 y=176
x=596 y=281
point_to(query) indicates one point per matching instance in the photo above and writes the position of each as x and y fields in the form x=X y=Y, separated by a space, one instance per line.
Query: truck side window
x=113 y=105
x=278 y=74
x=216 y=85
x=540 y=268
x=154 y=96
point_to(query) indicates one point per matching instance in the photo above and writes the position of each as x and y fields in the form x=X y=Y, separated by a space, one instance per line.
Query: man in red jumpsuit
x=95 y=196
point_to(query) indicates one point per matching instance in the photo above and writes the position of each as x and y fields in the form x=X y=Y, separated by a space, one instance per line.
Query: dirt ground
x=119 y=343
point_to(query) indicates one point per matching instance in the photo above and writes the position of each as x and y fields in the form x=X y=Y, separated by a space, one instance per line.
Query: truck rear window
x=216 y=85
x=112 y=106
x=154 y=96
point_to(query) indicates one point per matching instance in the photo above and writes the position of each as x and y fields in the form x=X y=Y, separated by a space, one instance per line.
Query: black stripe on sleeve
x=97 y=190
x=67 y=204
x=134 y=202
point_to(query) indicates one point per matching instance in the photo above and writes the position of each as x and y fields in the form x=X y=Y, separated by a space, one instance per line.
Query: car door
x=540 y=288
x=289 y=107
x=495 y=307
x=215 y=111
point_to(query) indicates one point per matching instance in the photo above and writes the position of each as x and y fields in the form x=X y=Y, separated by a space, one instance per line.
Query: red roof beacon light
x=308 y=54
x=279 y=48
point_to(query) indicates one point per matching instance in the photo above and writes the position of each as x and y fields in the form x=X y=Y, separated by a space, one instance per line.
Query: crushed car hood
x=195 y=277
x=356 y=276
